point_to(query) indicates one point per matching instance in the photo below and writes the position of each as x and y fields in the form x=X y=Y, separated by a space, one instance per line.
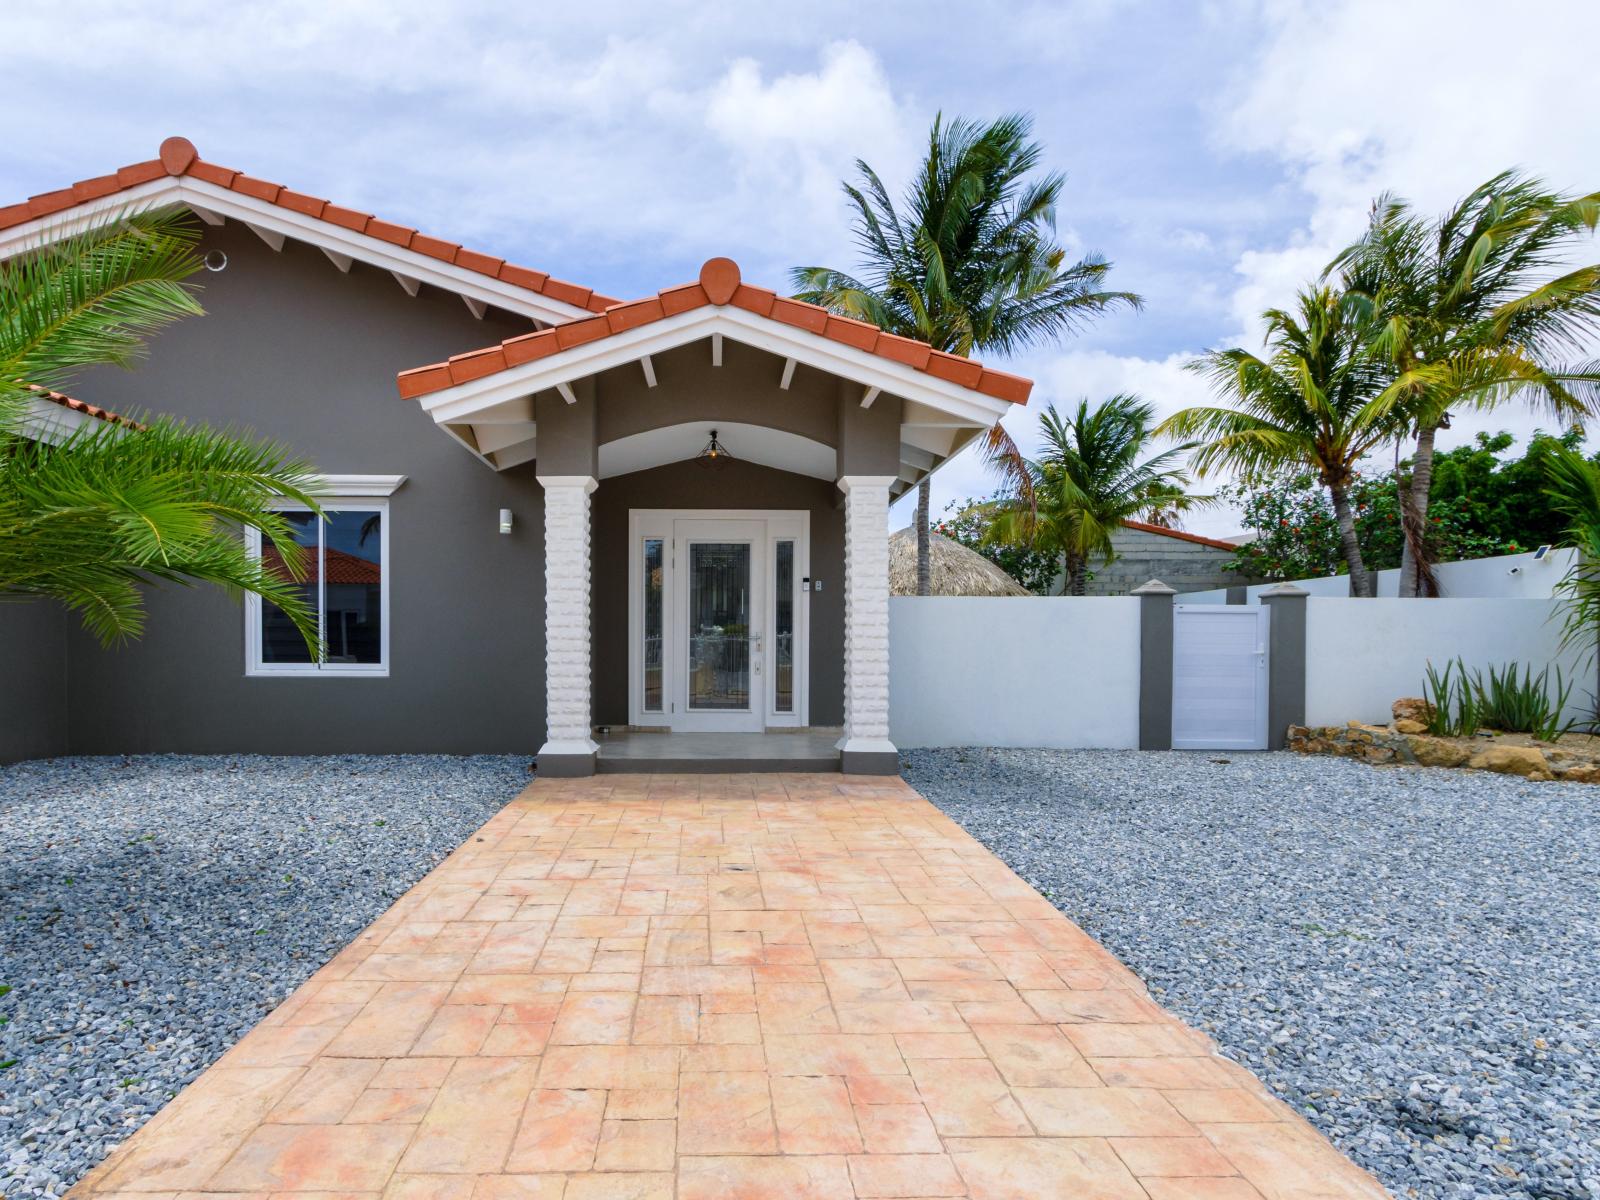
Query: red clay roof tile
x=90 y=410
x=1214 y=543
x=1004 y=386
x=754 y=299
x=475 y=364
x=178 y=157
x=903 y=350
x=419 y=381
x=715 y=277
x=953 y=367
x=851 y=332
x=796 y=312
x=299 y=202
x=529 y=347
x=576 y=333
x=682 y=298
x=640 y=312
x=571 y=293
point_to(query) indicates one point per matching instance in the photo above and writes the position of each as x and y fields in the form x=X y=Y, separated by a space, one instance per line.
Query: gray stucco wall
x=738 y=485
x=33 y=680
x=295 y=350
x=1184 y=565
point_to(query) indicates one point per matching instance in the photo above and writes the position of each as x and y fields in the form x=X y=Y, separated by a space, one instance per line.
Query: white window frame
x=360 y=493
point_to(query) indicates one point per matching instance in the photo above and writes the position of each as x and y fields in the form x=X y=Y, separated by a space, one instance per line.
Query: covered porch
x=717 y=465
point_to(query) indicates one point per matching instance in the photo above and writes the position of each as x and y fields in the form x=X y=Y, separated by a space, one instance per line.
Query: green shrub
x=1510 y=699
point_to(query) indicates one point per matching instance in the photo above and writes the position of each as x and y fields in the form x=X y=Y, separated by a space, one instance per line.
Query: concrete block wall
x=1186 y=566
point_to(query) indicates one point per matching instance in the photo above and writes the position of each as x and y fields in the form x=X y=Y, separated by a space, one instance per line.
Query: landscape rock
x=1526 y=761
x=1406 y=725
x=1437 y=752
x=1412 y=708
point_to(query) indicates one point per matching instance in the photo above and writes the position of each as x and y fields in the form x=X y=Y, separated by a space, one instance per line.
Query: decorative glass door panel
x=719 y=633
x=718 y=619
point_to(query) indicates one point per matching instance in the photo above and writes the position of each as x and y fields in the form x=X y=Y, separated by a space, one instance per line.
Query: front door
x=716 y=620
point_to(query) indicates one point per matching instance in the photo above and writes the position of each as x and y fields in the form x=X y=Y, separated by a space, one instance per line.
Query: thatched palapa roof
x=954 y=570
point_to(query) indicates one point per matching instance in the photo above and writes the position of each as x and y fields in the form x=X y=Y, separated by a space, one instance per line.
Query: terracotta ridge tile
x=530 y=346
x=475 y=364
x=1003 y=385
x=560 y=289
x=685 y=296
x=419 y=381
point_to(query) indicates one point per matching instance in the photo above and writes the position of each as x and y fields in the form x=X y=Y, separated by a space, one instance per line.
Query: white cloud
x=1425 y=98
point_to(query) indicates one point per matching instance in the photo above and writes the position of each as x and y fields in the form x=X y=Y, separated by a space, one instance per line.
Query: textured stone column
x=568 y=749
x=865 y=748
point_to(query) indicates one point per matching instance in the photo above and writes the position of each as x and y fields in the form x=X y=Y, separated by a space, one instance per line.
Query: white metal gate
x=1219 y=676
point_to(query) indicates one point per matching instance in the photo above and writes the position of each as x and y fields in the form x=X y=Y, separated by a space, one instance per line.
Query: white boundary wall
x=1048 y=672
x=1507 y=575
x=1362 y=655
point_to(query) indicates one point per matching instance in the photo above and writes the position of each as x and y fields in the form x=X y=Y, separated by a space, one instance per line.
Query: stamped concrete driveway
x=723 y=988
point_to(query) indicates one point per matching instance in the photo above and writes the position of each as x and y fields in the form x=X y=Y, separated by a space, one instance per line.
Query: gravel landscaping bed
x=156 y=908
x=1411 y=958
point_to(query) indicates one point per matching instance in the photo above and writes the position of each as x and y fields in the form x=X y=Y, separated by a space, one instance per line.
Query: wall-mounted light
x=505 y=520
x=215 y=260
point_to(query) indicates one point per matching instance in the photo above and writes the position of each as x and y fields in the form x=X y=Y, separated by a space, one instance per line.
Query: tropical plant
x=1315 y=401
x=1092 y=473
x=968 y=262
x=1469 y=309
x=968 y=522
x=1507 y=699
x=1574 y=493
x=91 y=518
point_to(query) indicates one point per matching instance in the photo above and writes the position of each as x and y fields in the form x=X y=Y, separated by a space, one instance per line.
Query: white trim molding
x=459 y=403
x=866 y=616
x=272 y=223
x=343 y=486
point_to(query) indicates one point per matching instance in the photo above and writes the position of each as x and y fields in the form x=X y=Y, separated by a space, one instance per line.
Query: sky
x=1218 y=152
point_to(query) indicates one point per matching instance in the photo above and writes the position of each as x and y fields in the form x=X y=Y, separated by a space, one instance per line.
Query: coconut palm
x=1470 y=309
x=1316 y=400
x=91 y=518
x=1092 y=474
x=968 y=263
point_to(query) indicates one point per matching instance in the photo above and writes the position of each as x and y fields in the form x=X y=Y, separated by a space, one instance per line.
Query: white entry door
x=1219 y=676
x=717 y=619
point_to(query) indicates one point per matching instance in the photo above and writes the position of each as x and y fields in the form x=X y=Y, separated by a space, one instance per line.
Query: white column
x=866 y=614
x=566 y=615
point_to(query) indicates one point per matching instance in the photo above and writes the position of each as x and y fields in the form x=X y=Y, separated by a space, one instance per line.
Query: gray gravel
x=1410 y=958
x=153 y=909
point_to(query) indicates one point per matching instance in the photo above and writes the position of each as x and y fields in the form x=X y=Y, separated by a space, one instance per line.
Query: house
x=520 y=466
x=1185 y=561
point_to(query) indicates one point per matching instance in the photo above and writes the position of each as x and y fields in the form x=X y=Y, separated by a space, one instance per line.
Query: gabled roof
x=719 y=285
x=179 y=174
x=80 y=406
x=1180 y=535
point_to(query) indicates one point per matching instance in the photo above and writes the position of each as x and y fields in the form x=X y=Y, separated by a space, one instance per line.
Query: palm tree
x=1469 y=309
x=1091 y=476
x=1573 y=490
x=92 y=518
x=1317 y=400
x=969 y=262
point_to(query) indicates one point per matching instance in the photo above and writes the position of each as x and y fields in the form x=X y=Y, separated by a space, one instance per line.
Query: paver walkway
x=723 y=988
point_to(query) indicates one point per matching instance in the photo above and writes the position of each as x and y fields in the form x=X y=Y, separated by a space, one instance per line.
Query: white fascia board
x=333 y=239
x=359 y=485
x=787 y=341
x=52 y=423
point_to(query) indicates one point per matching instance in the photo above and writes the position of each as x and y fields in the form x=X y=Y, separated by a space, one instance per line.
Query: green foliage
x=968 y=261
x=1507 y=699
x=1094 y=471
x=93 y=518
x=968 y=522
x=1482 y=505
x=1573 y=491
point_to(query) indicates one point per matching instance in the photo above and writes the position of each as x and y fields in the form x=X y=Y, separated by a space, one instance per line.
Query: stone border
x=1386 y=746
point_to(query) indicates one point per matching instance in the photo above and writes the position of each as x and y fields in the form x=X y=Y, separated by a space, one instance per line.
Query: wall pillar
x=1155 y=664
x=569 y=750
x=865 y=748
x=1286 y=661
